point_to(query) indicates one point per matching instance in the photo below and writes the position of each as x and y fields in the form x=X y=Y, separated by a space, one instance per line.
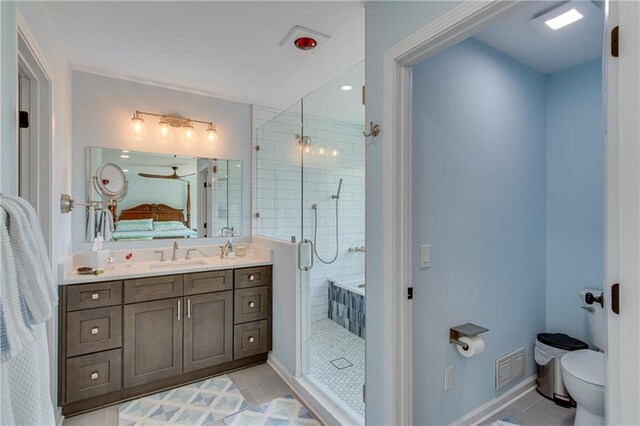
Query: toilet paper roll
x=475 y=346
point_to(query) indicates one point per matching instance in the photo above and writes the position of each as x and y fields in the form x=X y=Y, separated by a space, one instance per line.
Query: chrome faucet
x=175 y=251
x=161 y=253
x=189 y=251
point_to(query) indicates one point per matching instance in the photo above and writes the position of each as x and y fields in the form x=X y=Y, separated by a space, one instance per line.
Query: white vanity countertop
x=150 y=268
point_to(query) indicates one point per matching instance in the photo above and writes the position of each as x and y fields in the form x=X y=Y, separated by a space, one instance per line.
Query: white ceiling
x=550 y=51
x=226 y=49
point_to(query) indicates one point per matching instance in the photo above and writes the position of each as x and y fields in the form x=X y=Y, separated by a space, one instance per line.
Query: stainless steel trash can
x=548 y=350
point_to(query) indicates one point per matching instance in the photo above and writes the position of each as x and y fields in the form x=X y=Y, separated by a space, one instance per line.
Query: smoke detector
x=305 y=39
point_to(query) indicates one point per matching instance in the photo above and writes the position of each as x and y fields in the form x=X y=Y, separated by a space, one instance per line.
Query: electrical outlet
x=448 y=378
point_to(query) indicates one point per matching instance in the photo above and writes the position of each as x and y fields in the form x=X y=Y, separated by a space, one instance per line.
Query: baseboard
x=59 y=416
x=490 y=408
x=321 y=406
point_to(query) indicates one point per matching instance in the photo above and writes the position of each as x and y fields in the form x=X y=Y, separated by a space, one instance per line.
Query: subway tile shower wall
x=337 y=150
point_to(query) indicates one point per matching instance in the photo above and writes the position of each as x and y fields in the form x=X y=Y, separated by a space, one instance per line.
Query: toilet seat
x=586 y=366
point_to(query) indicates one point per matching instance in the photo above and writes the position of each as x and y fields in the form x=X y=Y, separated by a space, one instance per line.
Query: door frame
x=451 y=28
x=31 y=59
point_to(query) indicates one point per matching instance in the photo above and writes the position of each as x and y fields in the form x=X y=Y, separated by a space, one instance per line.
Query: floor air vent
x=509 y=368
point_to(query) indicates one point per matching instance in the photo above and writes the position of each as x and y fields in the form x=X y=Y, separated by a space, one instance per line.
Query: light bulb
x=211 y=135
x=335 y=153
x=164 y=131
x=137 y=129
x=307 y=150
x=321 y=151
x=189 y=134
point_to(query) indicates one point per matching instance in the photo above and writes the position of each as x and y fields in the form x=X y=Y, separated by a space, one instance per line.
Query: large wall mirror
x=168 y=196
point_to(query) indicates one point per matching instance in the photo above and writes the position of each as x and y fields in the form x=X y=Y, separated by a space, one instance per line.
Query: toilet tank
x=595 y=319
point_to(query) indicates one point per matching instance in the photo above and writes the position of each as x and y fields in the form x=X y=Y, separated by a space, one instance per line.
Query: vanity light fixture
x=165 y=125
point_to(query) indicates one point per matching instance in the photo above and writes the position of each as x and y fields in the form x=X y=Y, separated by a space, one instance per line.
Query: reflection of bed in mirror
x=152 y=221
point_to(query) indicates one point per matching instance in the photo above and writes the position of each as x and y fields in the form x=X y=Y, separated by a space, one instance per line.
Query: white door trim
x=31 y=58
x=623 y=216
x=453 y=27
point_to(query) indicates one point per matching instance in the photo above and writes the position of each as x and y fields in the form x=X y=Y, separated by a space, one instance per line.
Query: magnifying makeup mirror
x=111 y=182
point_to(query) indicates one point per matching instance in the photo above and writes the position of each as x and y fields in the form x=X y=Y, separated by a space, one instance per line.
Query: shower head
x=337 y=196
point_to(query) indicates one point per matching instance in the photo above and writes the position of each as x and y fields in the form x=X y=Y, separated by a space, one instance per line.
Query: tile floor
x=535 y=410
x=337 y=361
x=258 y=385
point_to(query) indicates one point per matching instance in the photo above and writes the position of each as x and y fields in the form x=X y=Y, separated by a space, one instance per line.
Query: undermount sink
x=177 y=263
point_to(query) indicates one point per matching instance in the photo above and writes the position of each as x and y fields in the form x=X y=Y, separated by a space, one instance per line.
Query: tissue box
x=94 y=259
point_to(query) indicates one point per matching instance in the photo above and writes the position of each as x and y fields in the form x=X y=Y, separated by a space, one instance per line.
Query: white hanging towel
x=15 y=327
x=25 y=397
x=35 y=279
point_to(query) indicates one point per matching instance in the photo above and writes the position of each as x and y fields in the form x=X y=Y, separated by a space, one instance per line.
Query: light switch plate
x=448 y=378
x=425 y=256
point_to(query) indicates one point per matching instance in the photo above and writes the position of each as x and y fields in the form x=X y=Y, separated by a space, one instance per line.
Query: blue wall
x=575 y=190
x=508 y=190
x=479 y=200
x=388 y=22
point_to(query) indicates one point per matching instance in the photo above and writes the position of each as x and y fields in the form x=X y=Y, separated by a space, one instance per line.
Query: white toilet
x=583 y=370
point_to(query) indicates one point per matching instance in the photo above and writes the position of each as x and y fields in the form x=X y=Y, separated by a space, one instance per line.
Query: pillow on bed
x=135 y=225
x=171 y=225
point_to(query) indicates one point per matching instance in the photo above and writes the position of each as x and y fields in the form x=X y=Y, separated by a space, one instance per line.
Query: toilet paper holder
x=464 y=330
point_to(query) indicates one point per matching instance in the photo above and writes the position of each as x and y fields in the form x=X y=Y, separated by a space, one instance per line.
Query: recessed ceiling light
x=560 y=21
x=346 y=87
x=125 y=170
x=124 y=156
x=125 y=151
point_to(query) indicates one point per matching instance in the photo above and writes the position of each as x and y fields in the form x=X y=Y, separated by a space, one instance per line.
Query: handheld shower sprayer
x=337 y=196
x=315 y=228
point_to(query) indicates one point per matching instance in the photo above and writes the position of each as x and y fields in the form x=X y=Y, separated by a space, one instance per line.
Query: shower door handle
x=311 y=260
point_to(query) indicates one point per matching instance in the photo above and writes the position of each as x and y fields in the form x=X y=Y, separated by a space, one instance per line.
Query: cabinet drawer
x=207 y=282
x=252 y=277
x=93 y=375
x=98 y=295
x=144 y=289
x=250 y=339
x=94 y=330
x=251 y=304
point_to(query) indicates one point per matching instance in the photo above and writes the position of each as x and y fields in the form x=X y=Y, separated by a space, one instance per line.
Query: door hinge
x=615 y=298
x=23 y=119
x=257 y=147
x=615 y=41
x=364 y=393
x=409 y=293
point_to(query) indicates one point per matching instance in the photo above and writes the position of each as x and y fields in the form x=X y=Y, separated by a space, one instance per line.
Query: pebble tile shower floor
x=337 y=361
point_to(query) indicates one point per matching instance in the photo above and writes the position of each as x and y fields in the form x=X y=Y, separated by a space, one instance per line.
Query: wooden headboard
x=157 y=212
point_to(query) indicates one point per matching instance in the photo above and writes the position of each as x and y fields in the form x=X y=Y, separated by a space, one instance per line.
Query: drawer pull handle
x=95 y=296
x=94 y=375
x=251 y=304
x=251 y=277
x=94 y=330
x=251 y=340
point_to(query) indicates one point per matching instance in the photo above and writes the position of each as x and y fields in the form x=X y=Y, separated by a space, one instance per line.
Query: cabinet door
x=152 y=341
x=208 y=330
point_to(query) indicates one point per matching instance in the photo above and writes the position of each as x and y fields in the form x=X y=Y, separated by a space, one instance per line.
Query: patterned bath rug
x=202 y=403
x=285 y=411
x=505 y=421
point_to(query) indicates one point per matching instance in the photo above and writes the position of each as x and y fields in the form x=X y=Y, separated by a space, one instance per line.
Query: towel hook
x=374 y=130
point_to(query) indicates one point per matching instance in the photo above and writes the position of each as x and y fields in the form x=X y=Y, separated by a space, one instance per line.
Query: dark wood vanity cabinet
x=122 y=339
x=152 y=348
